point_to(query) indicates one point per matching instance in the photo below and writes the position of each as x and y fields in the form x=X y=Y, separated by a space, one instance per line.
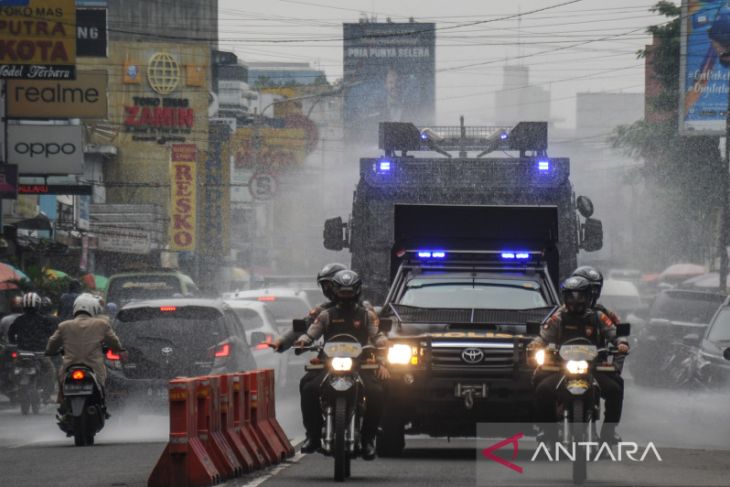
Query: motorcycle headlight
x=342 y=364
x=400 y=354
x=341 y=383
x=576 y=366
x=540 y=357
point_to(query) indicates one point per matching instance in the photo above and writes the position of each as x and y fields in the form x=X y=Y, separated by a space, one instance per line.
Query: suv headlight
x=400 y=354
x=540 y=357
x=342 y=364
x=576 y=366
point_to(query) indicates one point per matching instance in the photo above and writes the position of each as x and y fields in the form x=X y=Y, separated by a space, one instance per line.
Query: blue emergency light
x=511 y=255
x=424 y=135
x=543 y=166
x=384 y=166
x=431 y=254
x=504 y=136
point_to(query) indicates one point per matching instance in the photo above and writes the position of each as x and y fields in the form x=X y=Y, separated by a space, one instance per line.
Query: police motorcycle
x=341 y=394
x=579 y=396
x=26 y=370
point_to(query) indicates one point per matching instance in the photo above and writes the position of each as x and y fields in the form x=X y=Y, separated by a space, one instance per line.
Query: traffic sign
x=262 y=186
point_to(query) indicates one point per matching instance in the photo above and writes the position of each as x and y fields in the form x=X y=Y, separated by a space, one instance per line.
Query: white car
x=285 y=304
x=261 y=330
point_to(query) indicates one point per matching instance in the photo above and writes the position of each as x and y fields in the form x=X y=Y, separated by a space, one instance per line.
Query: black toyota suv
x=169 y=338
x=461 y=314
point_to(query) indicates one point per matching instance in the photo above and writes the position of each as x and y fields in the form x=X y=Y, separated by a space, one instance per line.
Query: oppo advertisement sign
x=46 y=149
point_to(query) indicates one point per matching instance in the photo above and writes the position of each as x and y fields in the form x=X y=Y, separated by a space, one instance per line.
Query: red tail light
x=266 y=298
x=223 y=350
x=112 y=356
x=78 y=375
x=265 y=344
x=13 y=354
x=168 y=309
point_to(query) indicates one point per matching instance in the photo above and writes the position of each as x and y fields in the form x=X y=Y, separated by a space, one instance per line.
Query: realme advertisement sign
x=84 y=97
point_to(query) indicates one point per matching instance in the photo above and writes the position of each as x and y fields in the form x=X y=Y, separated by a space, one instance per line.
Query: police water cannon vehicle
x=464 y=254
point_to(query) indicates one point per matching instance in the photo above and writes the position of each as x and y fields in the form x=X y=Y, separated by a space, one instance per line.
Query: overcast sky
x=583 y=45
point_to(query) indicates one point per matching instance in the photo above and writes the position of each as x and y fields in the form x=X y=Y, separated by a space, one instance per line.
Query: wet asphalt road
x=691 y=430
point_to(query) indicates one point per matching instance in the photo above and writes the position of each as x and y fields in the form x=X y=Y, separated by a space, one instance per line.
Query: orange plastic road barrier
x=241 y=423
x=209 y=428
x=184 y=462
x=260 y=395
x=271 y=412
x=251 y=422
x=224 y=386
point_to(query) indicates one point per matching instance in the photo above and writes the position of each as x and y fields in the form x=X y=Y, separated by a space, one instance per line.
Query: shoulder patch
x=605 y=319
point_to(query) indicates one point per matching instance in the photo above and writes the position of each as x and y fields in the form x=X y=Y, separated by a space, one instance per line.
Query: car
x=167 y=338
x=661 y=344
x=154 y=284
x=713 y=356
x=261 y=331
x=285 y=304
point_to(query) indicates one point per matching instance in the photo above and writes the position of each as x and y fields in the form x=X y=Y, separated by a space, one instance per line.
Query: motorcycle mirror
x=623 y=329
x=585 y=206
x=300 y=326
x=726 y=354
x=386 y=324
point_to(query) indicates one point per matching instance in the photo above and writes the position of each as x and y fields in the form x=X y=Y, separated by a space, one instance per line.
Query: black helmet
x=594 y=277
x=324 y=278
x=346 y=286
x=577 y=294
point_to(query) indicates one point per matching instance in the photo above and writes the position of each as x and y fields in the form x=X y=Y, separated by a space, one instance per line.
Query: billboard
x=389 y=76
x=84 y=97
x=46 y=149
x=38 y=40
x=703 y=80
x=183 y=191
x=91 y=32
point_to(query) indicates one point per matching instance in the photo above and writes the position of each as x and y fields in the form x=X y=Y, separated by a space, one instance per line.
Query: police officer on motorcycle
x=350 y=317
x=30 y=332
x=324 y=280
x=576 y=319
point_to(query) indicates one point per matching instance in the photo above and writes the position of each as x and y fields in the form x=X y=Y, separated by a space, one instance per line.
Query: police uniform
x=560 y=327
x=363 y=324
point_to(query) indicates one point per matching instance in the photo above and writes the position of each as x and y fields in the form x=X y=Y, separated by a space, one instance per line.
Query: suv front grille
x=494 y=360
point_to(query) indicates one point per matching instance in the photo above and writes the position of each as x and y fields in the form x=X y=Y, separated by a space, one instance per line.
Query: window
x=478 y=293
x=721 y=327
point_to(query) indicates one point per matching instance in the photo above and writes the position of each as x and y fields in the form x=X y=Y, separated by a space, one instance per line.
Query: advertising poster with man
x=389 y=71
x=704 y=77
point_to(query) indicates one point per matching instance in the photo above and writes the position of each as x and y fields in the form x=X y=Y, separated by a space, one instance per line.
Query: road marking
x=266 y=475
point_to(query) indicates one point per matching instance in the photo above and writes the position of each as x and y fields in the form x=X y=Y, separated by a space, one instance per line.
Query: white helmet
x=31 y=301
x=87 y=303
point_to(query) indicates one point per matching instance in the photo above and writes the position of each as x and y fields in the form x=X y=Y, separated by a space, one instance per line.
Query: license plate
x=76 y=388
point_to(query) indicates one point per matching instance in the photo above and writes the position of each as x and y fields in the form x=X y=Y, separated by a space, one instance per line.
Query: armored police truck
x=463 y=253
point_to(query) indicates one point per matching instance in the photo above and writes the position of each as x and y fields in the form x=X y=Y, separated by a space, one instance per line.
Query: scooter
x=84 y=405
x=26 y=373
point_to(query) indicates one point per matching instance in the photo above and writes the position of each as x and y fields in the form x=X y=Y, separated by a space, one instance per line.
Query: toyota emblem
x=472 y=355
x=166 y=351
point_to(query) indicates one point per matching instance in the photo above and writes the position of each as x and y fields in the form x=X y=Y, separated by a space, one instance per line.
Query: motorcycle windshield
x=578 y=352
x=166 y=344
x=342 y=349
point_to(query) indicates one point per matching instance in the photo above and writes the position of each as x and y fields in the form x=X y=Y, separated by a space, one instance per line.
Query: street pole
x=724 y=210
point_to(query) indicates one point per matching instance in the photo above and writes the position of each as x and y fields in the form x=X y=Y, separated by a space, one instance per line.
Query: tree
x=681 y=174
